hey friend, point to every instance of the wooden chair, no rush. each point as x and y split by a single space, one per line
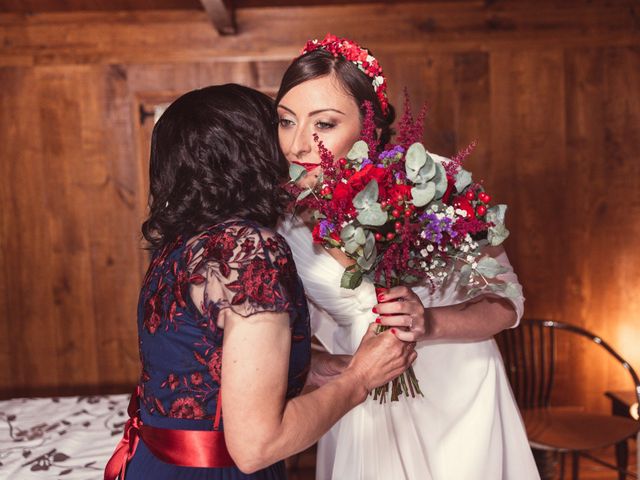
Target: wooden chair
529 352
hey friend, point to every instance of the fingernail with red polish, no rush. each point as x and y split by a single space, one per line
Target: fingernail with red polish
393 330
380 298
374 310
378 320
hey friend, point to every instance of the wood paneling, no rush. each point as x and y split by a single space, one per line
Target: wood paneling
550 90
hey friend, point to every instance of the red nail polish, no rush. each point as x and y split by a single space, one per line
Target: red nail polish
378 320
374 310
380 298
393 330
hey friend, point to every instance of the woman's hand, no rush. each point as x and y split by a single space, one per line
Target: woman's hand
325 367
380 358
474 320
401 307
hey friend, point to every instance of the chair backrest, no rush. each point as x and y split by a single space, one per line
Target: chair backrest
529 353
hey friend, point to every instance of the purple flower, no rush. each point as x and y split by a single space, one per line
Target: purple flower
365 162
435 227
326 227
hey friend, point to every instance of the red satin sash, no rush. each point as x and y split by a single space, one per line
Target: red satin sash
186 448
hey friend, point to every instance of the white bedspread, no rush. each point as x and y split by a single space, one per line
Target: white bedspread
60 437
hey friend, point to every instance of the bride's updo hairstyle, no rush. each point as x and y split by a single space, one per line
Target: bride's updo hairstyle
214 156
320 63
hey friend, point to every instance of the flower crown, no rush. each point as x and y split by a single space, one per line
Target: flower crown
357 55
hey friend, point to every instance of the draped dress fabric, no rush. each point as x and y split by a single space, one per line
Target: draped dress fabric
467 425
238 265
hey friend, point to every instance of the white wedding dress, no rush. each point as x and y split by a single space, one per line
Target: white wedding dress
467 425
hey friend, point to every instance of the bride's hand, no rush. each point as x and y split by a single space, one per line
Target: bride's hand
401 307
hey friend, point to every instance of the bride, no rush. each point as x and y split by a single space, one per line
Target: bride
467 425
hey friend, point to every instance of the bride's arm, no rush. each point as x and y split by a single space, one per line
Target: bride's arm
475 319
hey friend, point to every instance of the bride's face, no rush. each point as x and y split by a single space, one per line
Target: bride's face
320 106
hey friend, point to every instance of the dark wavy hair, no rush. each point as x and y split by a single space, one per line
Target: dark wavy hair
319 63
214 156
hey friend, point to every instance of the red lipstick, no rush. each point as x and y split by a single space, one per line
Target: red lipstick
307 166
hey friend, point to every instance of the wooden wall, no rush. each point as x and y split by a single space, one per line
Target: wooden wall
551 91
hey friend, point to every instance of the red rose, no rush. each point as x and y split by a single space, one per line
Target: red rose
450 186
316 234
462 203
400 190
342 192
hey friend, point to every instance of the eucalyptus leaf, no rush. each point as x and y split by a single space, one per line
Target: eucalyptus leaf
424 173
351 278
496 213
372 215
304 194
351 246
366 263
497 288
423 194
463 179
359 236
513 291
416 157
489 267
359 151
440 180
474 292
465 275
506 289
369 245
348 232
296 172
498 233
367 196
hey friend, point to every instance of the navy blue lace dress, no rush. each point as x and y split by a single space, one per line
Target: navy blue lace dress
237 265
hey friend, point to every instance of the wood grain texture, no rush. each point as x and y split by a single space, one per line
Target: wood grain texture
548 89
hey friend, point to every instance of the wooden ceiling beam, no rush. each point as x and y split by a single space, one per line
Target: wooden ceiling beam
221 15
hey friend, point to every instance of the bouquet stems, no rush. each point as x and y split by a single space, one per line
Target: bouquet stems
407 383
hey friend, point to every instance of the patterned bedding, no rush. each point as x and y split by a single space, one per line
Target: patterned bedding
59 437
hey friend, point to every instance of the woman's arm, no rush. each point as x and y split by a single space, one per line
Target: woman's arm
261 426
477 319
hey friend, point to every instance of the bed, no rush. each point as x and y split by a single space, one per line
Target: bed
59 437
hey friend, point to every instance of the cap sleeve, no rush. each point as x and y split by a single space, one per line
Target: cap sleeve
242 267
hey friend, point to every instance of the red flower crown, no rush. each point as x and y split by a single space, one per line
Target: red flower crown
357 55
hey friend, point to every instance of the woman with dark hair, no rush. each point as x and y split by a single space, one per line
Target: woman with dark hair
467 426
223 323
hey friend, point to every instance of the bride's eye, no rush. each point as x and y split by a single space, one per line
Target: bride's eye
285 123
325 125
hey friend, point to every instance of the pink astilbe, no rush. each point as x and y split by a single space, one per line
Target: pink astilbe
410 129
368 133
454 166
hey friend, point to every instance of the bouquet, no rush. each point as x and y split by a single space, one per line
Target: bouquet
405 217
